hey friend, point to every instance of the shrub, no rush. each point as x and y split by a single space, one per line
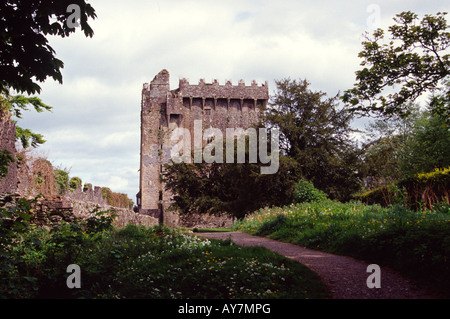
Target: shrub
74 183
417 192
62 180
306 192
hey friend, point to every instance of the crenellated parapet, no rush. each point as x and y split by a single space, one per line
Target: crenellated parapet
227 90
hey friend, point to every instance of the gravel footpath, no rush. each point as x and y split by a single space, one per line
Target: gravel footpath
346 277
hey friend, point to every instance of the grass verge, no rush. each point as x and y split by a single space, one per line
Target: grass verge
415 243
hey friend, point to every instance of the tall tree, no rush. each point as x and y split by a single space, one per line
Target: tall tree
15 105
427 147
382 149
235 189
315 132
396 71
26 57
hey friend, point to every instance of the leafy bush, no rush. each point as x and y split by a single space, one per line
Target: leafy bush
306 192
74 183
14 227
62 180
101 221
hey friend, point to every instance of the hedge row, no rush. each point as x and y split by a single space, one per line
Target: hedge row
421 191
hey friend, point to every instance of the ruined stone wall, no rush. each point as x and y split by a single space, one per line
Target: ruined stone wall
87 194
8 183
53 210
84 209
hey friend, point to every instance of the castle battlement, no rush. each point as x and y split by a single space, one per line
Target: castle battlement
214 89
185 83
228 90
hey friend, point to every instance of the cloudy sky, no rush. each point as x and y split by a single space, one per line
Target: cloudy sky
94 128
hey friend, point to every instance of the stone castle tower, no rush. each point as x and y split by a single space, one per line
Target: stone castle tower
163 110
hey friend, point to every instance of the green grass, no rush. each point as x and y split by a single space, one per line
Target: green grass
416 243
158 262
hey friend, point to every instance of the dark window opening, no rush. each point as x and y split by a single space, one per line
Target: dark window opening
175 118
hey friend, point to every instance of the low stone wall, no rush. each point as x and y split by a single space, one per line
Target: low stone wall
205 221
89 194
53 210
84 209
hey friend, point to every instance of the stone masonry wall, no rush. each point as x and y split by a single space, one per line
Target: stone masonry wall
7 143
163 110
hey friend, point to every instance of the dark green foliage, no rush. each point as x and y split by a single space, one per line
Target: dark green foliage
417 192
14 223
26 55
384 195
235 189
62 180
6 158
440 103
101 221
74 183
315 135
33 261
382 153
27 58
427 146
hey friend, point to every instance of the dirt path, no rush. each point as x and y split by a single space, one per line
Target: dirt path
346 277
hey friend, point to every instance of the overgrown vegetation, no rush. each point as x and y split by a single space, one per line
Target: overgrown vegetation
417 243
140 262
423 190
61 180
116 199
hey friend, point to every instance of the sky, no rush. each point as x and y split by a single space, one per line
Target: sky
94 127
